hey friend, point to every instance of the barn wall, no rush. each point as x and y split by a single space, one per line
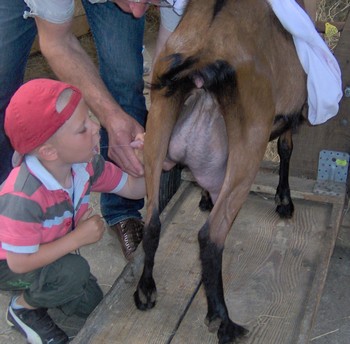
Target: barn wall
333 135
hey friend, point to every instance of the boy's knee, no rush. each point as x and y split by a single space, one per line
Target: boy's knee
60 282
76 273
75 269
69 273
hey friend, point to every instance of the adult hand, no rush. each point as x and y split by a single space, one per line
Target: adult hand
122 130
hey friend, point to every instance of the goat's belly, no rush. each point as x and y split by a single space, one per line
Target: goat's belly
199 141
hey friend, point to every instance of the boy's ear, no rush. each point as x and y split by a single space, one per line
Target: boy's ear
47 152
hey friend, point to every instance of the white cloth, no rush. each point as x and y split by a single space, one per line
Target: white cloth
178 5
169 18
324 84
54 11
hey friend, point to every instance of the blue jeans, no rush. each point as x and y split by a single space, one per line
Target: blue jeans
17 36
119 38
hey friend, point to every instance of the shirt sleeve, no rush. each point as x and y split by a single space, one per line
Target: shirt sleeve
53 11
109 177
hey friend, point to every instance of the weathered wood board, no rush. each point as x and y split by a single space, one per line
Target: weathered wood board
273 272
334 135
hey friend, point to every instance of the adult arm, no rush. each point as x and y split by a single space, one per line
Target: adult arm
72 64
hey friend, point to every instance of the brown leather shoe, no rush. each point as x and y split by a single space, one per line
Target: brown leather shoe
129 233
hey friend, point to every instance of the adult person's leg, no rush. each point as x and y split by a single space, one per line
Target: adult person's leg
119 37
17 36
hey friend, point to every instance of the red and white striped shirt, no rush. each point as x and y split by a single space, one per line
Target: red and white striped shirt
35 209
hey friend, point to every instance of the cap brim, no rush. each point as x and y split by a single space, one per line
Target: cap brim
17 159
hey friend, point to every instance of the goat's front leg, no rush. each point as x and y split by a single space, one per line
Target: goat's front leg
205 202
158 132
283 200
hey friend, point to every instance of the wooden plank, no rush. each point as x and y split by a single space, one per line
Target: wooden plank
274 272
330 237
177 274
302 188
333 135
270 272
266 181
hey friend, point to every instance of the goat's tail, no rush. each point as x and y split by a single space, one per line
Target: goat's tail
186 73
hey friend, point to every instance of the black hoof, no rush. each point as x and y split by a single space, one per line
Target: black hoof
228 333
145 300
205 203
285 211
285 207
212 323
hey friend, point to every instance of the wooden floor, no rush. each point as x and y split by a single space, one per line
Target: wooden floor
273 272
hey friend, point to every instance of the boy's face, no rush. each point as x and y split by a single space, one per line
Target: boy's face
78 139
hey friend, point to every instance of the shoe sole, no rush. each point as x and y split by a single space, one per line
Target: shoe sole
14 321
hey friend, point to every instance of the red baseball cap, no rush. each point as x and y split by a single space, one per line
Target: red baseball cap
31 117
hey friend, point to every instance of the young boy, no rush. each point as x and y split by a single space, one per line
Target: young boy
44 207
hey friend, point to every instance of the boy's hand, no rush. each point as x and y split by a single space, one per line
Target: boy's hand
138 144
89 229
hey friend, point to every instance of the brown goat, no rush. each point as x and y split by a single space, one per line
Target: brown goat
227 82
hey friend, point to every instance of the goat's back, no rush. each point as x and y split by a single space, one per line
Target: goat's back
242 32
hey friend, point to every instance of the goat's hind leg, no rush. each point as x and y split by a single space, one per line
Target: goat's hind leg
156 144
248 125
217 318
146 294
